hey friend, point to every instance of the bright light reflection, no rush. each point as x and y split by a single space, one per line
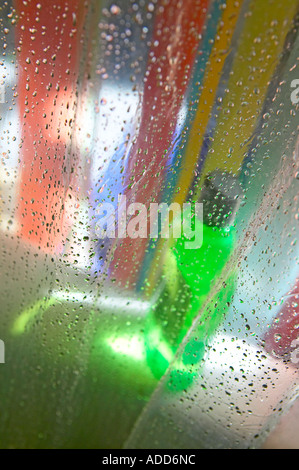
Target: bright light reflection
130 346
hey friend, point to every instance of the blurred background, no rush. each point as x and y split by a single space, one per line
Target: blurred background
140 342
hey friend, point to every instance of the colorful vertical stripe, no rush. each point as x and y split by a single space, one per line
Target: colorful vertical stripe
178 25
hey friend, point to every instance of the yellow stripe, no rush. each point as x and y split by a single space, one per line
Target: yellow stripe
207 98
260 44
210 85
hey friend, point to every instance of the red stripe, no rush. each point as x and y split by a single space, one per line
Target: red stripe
282 337
173 51
48 41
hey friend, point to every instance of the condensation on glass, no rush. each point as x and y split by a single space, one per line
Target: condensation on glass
116 118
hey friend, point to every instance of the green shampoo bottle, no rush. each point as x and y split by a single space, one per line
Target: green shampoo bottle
189 277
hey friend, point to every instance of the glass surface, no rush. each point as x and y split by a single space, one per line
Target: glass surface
124 324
